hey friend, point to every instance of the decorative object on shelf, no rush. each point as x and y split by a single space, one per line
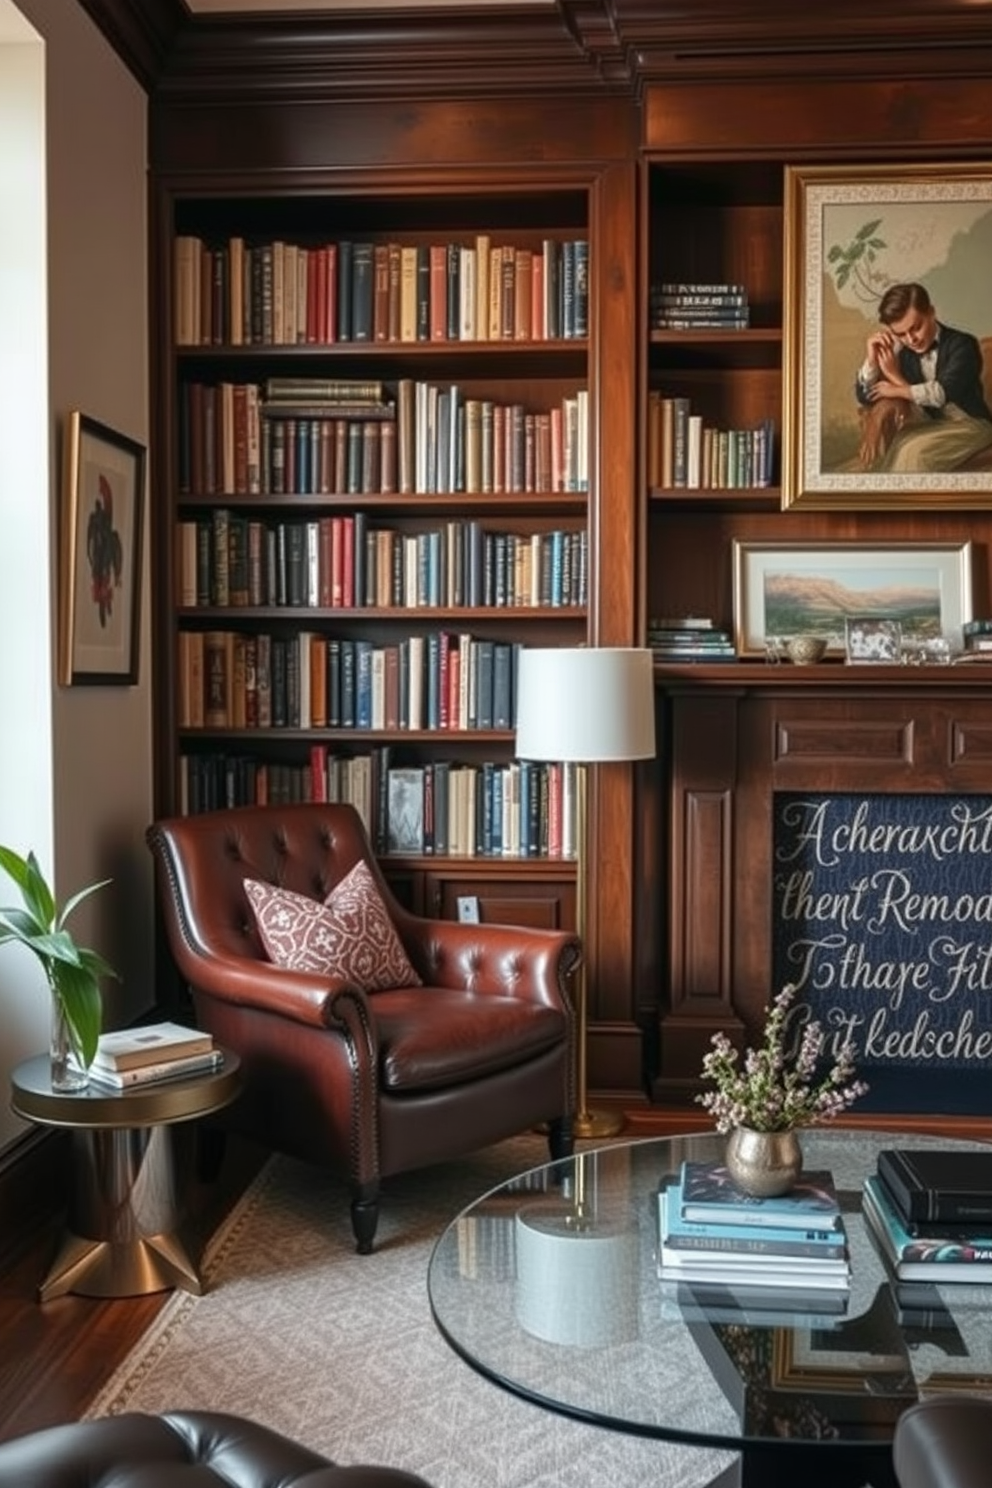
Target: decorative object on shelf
785 587
862 242
873 638
764 1163
590 705
100 554
773 1092
805 650
73 972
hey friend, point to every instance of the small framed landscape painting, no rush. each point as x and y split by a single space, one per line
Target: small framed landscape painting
100 554
786 589
887 352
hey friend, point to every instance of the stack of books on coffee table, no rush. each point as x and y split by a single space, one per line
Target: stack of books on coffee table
930 1213
159 1051
712 1233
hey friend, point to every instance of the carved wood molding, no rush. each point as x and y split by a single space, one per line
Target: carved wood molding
570 46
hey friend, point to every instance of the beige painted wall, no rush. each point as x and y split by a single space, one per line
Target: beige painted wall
98 362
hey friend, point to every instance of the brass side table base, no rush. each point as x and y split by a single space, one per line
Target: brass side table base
103 1268
131 1164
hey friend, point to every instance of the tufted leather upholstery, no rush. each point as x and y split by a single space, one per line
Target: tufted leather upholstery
370 1085
201 1449
944 1442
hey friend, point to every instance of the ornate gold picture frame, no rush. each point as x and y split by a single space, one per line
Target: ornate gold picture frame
919 433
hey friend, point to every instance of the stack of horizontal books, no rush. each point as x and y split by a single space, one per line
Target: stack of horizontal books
930 1212
713 1234
159 1051
689 638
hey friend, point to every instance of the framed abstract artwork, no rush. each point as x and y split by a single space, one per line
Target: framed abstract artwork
887 355
100 554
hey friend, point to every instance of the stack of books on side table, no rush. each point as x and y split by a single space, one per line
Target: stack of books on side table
160 1051
783 1252
930 1212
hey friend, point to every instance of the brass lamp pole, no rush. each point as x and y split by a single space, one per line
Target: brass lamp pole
585 705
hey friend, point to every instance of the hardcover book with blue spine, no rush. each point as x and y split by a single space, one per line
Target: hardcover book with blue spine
782 1240
709 1195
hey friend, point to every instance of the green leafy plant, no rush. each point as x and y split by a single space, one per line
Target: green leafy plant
73 972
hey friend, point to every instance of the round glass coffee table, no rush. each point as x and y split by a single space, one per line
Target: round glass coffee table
549 1286
129 1173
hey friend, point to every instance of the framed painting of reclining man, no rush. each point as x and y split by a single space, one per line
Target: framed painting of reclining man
887 355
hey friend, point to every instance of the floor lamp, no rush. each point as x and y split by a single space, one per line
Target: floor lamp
586 705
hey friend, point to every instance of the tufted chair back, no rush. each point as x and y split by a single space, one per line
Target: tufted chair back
370 1083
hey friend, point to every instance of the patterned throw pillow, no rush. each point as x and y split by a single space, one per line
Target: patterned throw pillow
349 935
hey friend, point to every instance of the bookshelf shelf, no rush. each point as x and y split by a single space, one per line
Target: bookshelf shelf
418 615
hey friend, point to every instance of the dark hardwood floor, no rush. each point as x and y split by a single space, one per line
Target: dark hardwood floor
55 1356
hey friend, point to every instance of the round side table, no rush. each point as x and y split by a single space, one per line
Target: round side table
129 1176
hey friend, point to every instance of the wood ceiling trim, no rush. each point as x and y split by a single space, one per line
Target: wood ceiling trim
580 45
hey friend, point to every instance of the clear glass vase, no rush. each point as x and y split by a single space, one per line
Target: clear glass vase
69 1073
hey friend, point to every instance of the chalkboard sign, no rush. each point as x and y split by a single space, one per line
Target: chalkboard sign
882 919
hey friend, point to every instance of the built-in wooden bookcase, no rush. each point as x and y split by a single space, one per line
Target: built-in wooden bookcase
531 358
735 733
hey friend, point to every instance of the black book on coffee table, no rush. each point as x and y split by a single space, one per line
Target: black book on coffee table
939 1187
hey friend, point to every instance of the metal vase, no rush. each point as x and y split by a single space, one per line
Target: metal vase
764 1164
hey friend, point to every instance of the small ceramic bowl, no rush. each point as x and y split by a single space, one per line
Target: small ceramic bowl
805 649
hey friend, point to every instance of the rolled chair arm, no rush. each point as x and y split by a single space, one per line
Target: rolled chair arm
507 960
302 995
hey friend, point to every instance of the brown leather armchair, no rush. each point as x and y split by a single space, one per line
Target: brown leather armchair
368 1084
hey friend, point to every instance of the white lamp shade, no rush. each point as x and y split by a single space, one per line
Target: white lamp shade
587 704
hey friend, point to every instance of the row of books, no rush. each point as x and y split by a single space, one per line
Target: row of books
781 1251
146 1055
692 638
930 1211
228 560
238 293
441 681
676 306
977 638
430 439
684 452
524 809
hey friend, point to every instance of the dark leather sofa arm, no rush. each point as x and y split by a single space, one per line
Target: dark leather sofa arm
195 1447
944 1442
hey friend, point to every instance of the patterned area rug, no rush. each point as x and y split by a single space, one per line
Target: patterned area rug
340 1352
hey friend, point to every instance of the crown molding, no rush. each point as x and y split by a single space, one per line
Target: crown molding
575 46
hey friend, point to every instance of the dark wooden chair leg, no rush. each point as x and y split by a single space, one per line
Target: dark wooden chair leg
561 1141
365 1216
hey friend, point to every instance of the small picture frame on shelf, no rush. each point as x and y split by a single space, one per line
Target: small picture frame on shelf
103 481
872 638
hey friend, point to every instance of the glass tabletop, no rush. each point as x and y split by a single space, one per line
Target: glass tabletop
549 1285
